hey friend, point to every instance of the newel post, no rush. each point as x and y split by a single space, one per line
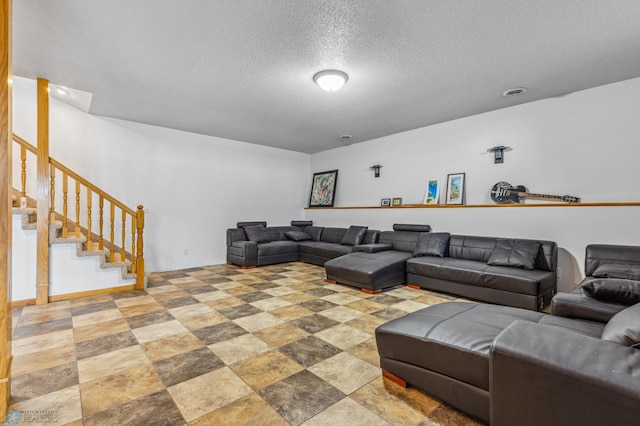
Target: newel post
140 251
43 186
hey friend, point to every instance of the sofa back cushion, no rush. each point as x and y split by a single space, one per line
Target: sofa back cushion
297 236
333 235
617 270
432 244
598 254
256 233
277 233
314 231
624 327
514 253
400 240
354 236
371 237
477 248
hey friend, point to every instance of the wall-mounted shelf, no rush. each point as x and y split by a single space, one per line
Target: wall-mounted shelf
475 206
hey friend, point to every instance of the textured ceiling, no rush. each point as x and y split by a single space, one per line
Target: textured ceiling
244 70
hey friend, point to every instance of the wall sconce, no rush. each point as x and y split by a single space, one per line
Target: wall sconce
376 170
498 152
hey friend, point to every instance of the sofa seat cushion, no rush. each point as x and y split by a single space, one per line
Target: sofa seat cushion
464 271
532 282
368 270
322 249
277 247
452 339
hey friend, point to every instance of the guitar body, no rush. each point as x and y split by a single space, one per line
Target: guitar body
505 193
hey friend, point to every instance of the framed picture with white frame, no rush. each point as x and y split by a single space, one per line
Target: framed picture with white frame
455 188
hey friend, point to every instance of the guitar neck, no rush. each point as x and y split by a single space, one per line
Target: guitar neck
540 196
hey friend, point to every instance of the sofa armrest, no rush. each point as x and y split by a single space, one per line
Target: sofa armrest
577 305
372 248
243 253
542 374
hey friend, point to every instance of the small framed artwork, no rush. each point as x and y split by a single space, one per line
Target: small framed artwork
385 202
432 196
455 188
323 189
397 202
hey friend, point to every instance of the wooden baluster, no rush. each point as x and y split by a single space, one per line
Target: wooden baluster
133 244
124 224
101 223
65 188
52 172
112 218
77 208
89 200
139 254
23 194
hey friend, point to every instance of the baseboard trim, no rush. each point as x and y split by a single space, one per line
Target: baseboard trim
20 303
97 292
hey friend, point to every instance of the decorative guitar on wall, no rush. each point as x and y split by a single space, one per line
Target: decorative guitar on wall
504 193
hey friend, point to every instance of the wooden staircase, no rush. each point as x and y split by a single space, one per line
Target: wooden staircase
89 237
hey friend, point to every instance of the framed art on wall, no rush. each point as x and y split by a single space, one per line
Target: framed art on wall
455 188
323 189
397 201
385 202
432 195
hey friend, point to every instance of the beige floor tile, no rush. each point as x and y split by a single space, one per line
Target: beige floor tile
162 289
239 348
169 295
270 304
430 299
208 392
111 391
93 331
346 412
296 297
159 331
32 344
197 322
96 317
366 323
405 292
146 308
212 295
250 410
280 291
36 317
341 313
302 286
258 321
134 301
280 335
366 306
242 289
53 306
168 347
226 302
367 351
83 301
409 306
265 368
292 312
340 298
111 363
65 405
343 336
183 312
397 405
345 372
41 360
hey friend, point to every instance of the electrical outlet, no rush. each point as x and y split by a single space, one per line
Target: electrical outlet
185 252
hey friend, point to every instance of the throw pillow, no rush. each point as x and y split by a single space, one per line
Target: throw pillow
514 253
626 292
624 327
256 233
354 235
314 231
617 270
297 236
432 244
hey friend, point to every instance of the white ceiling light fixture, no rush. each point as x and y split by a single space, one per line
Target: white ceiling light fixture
330 80
62 91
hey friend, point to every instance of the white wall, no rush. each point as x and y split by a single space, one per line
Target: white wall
583 144
193 186
23 269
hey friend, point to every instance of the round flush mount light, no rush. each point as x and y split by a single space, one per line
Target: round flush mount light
330 80
517 91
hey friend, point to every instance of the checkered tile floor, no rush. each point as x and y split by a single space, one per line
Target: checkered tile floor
275 345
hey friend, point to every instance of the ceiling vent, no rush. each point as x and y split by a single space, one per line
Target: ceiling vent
514 92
